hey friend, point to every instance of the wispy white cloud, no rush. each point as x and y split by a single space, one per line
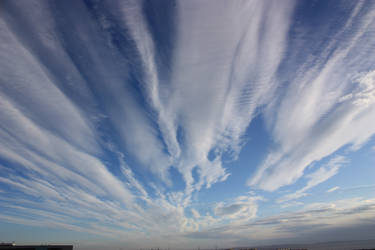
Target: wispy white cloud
197 113
321 175
333 189
322 106
214 110
243 208
313 220
292 204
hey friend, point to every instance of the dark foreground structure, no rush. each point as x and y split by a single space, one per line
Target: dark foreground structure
35 247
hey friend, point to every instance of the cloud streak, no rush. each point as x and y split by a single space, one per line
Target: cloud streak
323 219
314 115
74 107
321 175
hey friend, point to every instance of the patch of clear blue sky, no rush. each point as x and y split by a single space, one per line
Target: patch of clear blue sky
256 145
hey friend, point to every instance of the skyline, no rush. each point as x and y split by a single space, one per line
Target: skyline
187 123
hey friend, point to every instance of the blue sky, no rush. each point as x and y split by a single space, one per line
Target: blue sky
186 123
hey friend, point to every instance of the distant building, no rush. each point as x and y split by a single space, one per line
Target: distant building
292 248
12 246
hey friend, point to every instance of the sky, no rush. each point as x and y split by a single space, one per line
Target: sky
186 124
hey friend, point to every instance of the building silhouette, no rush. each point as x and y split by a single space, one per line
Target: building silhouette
12 246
